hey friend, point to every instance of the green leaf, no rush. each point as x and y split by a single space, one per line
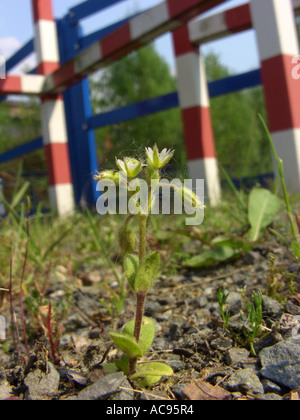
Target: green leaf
127 344
147 273
123 364
149 374
20 194
233 242
295 246
217 255
262 209
131 264
147 333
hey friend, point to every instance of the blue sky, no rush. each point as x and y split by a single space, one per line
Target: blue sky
238 52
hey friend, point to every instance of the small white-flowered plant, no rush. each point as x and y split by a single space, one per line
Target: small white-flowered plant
141 267
158 159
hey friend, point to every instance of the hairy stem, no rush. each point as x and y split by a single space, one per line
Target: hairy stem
140 297
140 301
142 244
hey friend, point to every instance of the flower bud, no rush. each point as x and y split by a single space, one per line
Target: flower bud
130 166
108 174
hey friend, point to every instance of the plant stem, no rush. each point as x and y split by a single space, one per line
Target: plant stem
142 244
140 297
140 301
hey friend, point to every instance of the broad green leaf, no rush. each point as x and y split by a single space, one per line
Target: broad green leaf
147 332
295 246
131 264
127 344
149 374
262 209
147 273
123 364
216 255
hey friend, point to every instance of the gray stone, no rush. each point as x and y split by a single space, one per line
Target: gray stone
108 387
221 343
41 385
271 306
244 380
270 387
281 363
272 397
236 355
291 308
5 390
235 302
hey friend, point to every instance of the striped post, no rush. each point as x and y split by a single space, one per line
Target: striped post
195 111
275 28
52 111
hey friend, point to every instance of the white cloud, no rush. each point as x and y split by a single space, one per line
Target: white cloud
10 45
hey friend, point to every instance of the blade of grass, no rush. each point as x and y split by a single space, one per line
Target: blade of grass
234 189
280 166
101 247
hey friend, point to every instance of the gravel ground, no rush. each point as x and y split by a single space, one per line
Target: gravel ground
209 361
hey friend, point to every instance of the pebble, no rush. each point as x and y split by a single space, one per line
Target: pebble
244 381
270 306
108 387
5 390
235 303
41 385
236 355
281 363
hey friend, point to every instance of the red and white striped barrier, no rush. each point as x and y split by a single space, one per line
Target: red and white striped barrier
52 111
164 17
22 85
220 24
195 110
277 40
225 23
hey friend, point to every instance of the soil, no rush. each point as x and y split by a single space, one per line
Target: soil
208 360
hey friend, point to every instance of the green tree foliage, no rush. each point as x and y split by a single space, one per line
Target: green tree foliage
20 123
141 75
239 136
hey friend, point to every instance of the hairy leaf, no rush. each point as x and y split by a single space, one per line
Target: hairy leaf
147 332
147 273
262 209
149 374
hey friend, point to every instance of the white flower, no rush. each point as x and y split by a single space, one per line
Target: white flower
156 159
130 166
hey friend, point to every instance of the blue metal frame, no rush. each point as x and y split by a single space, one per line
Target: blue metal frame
82 148
22 150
